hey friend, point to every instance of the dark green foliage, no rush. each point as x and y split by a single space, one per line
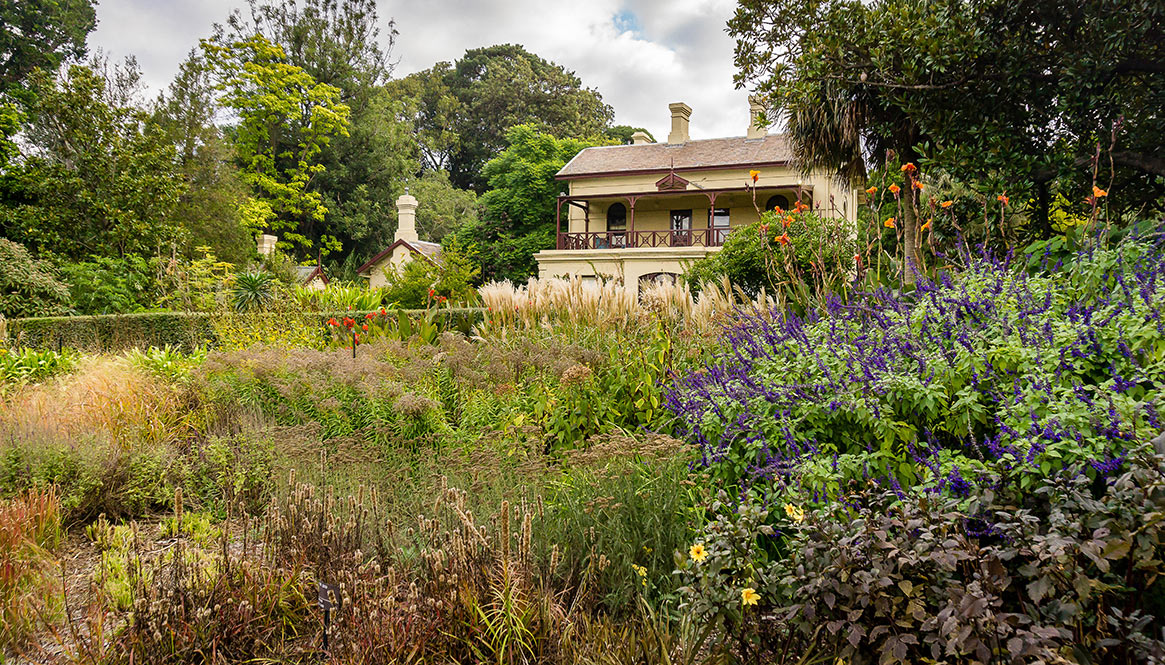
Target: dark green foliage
40 34
521 203
419 283
112 285
99 180
29 287
1073 568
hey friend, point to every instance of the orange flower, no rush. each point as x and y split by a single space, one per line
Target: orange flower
333 322
894 189
802 207
927 224
764 229
778 210
365 327
787 221
858 259
783 239
754 175
909 166
889 223
947 204
1002 198
871 191
1098 192
918 185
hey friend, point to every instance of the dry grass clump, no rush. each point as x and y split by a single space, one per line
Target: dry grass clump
30 527
608 303
105 398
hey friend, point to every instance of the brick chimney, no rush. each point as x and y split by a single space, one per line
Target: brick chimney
406 218
755 109
680 112
640 138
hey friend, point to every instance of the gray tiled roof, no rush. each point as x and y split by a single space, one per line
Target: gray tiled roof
704 153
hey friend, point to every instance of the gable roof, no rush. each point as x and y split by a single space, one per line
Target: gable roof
306 274
430 251
693 155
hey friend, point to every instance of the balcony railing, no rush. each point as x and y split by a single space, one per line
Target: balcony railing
631 239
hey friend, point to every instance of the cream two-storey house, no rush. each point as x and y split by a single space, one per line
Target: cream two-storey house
644 211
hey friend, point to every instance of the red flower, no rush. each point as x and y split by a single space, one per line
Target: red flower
382 312
369 315
431 293
365 327
333 322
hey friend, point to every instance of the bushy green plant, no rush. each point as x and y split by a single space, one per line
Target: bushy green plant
166 362
421 282
112 285
253 290
29 287
32 366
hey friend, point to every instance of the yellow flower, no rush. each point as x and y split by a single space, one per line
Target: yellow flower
754 175
697 552
749 596
927 224
889 223
795 512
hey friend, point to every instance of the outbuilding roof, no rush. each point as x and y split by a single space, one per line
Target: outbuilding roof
428 250
692 155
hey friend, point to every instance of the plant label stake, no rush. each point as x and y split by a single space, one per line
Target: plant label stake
327 593
353 342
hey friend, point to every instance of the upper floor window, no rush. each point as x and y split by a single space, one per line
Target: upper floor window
720 223
778 200
617 217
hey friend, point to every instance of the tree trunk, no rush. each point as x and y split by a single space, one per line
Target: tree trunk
911 259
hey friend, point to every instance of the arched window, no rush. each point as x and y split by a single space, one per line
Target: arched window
617 217
777 200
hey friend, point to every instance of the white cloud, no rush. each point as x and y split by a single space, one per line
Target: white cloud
640 54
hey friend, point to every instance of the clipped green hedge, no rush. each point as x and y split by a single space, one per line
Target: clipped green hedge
185 330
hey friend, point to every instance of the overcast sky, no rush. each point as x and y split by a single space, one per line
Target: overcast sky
640 54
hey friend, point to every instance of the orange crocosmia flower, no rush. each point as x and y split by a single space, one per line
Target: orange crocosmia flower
894 189
947 204
754 175
365 327
918 185
802 207
927 224
783 239
871 191
1098 192
787 221
889 223
778 210
909 166
858 258
1002 198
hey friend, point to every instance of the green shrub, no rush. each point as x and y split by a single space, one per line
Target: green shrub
29 287
32 366
112 285
420 283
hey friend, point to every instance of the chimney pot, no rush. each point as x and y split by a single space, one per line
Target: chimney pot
406 218
640 138
267 244
680 113
755 109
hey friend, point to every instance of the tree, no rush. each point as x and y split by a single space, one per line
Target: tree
286 118
443 207
496 88
621 134
40 34
29 287
520 206
1010 93
97 177
339 43
210 209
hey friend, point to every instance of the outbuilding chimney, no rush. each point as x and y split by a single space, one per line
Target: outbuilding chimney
406 218
267 244
680 112
755 109
640 138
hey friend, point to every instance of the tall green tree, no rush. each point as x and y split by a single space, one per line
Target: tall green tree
285 119
97 178
210 209
1013 94
520 206
487 91
40 34
340 43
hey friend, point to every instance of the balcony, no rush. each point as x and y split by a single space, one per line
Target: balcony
637 239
